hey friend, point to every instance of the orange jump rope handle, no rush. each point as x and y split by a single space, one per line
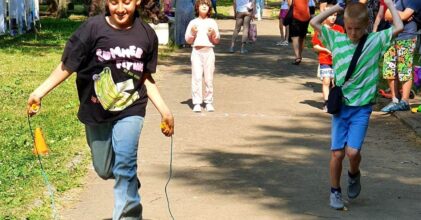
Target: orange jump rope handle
163 125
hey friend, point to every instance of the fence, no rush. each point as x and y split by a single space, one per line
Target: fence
18 16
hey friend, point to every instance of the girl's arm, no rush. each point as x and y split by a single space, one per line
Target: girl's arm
396 17
191 33
156 98
317 21
379 17
56 77
319 48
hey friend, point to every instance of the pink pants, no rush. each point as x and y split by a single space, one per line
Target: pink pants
203 65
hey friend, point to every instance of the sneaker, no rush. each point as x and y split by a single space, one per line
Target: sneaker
393 106
243 50
209 107
354 186
324 108
231 50
280 43
197 108
336 201
285 43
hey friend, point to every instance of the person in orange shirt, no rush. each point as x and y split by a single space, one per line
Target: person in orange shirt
298 27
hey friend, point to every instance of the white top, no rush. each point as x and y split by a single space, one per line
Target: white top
203 26
311 3
243 5
284 4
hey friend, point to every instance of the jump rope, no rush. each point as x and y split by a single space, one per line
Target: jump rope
35 108
163 126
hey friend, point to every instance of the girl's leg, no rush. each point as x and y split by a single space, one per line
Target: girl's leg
326 87
125 139
209 68
197 73
286 31
281 29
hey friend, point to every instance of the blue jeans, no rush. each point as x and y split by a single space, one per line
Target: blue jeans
114 148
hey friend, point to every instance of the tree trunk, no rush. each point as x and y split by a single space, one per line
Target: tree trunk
62 9
52 7
96 7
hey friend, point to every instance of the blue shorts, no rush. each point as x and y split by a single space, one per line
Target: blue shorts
326 71
349 127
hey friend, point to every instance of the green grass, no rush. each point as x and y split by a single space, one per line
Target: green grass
25 62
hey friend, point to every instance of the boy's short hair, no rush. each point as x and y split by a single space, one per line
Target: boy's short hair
199 2
356 11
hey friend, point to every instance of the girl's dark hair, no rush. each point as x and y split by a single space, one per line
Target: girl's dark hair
200 2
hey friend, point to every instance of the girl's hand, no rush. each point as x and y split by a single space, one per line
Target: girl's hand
194 30
167 125
211 32
33 105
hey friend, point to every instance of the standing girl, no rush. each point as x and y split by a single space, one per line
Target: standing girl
114 55
282 28
202 33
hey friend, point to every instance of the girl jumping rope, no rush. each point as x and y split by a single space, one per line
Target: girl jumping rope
202 33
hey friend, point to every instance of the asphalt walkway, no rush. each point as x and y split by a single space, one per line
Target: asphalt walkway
264 153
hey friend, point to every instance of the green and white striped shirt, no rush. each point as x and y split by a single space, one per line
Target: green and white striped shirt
361 88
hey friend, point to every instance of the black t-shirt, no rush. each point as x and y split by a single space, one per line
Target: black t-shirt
110 64
330 2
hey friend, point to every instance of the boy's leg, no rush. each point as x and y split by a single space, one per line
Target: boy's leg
339 134
99 141
359 120
125 138
336 159
197 75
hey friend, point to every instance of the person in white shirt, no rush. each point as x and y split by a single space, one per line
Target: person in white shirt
202 33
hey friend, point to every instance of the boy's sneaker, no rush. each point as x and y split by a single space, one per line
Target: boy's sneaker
336 201
324 108
354 186
197 108
209 107
279 43
393 106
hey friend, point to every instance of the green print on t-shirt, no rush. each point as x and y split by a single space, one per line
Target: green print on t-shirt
112 96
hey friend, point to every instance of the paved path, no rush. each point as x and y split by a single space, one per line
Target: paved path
264 153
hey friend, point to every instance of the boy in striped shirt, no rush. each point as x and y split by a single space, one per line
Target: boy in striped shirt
349 126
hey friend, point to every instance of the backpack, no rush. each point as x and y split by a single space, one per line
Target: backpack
416 16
